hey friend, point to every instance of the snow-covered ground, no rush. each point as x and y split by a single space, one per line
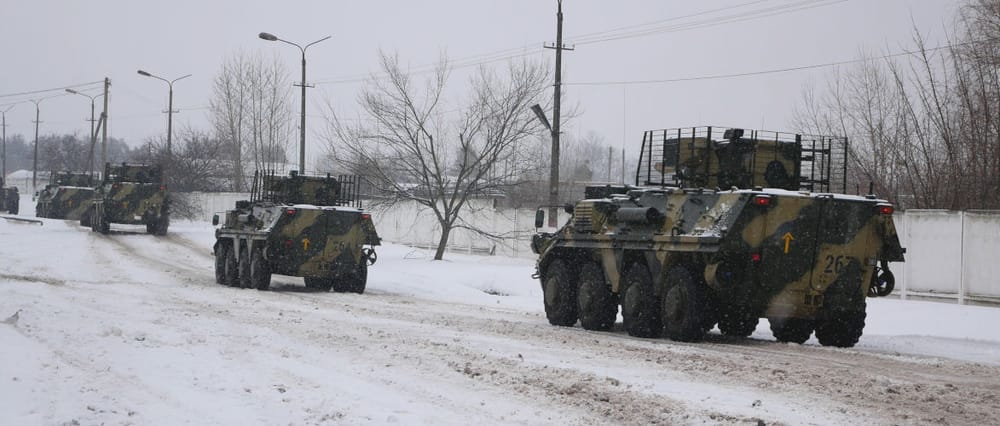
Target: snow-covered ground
131 329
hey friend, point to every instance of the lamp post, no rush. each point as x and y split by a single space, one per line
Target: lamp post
302 126
93 134
170 109
3 126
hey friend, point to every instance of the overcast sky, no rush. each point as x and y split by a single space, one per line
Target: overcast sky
56 43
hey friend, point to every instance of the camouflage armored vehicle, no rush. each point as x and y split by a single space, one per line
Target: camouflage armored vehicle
132 194
10 198
67 196
301 226
723 227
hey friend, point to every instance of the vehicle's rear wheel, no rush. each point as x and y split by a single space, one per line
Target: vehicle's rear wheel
244 267
158 226
738 321
260 273
559 291
232 274
85 218
841 327
684 303
640 307
796 330
320 283
354 282
598 305
842 319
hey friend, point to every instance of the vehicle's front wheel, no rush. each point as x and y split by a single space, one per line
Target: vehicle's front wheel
221 252
232 277
640 307
260 273
559 290
244 267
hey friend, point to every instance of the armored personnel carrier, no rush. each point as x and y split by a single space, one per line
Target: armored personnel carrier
132 194
301 226
723 228
67 196
10 198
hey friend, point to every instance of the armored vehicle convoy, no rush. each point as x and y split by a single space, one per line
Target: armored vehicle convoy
723 227
301 226
132 194
67 196
10 198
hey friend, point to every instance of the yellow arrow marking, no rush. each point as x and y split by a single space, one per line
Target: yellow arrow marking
788 239
305 244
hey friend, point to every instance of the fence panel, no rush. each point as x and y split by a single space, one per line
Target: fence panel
933 242
981 269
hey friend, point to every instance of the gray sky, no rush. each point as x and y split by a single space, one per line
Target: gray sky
55 43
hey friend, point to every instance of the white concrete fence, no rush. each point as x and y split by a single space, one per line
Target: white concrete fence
950 255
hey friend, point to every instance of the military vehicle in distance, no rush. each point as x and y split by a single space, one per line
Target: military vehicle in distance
10 198
301 226
67 196
723 227
132 194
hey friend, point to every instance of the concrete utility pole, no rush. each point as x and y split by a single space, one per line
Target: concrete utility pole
4 127
34 165
302 125
554 171
104 126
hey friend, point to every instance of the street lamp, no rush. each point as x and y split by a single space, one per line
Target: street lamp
93 134
3 125
170 109
302 126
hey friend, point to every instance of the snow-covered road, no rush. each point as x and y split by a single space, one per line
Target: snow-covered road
131 329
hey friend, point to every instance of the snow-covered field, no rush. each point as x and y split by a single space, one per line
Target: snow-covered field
131 329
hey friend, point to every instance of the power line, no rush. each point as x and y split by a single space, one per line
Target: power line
63 88
608 35
772 71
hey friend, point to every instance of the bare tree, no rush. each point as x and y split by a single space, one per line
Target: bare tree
251 113
414 146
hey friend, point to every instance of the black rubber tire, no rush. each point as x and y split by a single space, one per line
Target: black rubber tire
841 327
232 274
260 272
738 321
159 226
85 218
320 283
354 282
244 267
683 305
99 223
640 306
795 330
598 306
221 252
559 290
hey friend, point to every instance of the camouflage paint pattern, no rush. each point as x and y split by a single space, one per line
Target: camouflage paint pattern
132 194
64 202
829 238
780 253
298 238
